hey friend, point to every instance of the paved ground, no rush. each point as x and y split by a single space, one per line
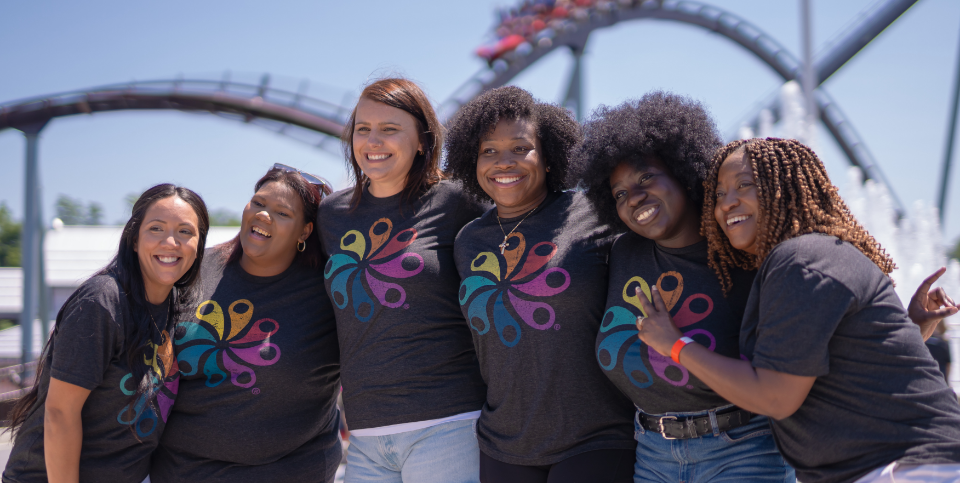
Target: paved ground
5 446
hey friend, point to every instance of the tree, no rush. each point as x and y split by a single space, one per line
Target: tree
224 217
955 253
72 211
9 238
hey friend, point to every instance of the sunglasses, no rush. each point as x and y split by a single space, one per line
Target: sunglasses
311 178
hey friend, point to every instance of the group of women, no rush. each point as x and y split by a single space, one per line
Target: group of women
691 313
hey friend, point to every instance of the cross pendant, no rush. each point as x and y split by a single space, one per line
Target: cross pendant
503 246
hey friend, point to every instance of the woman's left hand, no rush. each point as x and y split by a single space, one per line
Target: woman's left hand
657 329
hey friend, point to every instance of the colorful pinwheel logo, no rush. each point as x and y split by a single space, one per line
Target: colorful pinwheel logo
351 270
162 368
482 288
624 320
223 346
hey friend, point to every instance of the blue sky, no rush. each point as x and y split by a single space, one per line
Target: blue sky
896 92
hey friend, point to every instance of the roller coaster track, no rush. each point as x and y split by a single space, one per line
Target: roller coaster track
273 108
574 35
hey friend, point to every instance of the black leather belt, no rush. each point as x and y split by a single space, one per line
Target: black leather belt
675 427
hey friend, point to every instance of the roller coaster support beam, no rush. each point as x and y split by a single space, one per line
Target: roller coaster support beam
31 248
862 35
951 135
574 97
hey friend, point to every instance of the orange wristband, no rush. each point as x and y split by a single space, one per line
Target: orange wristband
677 346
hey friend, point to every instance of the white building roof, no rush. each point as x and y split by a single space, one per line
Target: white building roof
73 254
10 341
11 294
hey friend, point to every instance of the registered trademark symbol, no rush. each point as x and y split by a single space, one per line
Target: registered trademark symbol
406 306
556 327
255 391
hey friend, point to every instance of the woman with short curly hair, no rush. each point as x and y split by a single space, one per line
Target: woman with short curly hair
534 273
643 164
828 351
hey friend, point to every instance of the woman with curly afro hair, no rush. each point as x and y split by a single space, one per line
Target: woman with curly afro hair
643 164
534 275
828 351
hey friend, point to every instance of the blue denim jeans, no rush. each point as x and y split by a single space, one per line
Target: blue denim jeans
741 454
445 453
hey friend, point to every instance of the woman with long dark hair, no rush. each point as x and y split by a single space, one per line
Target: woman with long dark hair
411 384
108 376
828 351
534 280
259 360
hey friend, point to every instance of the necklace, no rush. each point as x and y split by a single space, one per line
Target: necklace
503 246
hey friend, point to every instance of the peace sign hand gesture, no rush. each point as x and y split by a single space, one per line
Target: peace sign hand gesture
928 307
657 329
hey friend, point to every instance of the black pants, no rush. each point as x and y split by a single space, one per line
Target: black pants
600 466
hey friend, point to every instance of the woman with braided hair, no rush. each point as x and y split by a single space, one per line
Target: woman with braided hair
643 164
828 351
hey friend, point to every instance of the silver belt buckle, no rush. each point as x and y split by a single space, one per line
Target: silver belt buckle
661 426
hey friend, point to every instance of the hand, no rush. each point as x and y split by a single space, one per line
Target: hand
928 307
657 329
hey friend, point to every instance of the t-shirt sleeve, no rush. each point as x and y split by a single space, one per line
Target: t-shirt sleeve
86 341
800 310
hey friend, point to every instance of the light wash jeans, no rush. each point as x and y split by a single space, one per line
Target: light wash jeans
747 453
445 453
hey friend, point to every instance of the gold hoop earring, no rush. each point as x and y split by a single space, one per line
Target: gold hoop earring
420 153
301 246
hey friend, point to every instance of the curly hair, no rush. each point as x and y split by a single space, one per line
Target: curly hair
675 129
795 197
557 131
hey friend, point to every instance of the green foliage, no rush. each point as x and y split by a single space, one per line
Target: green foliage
130 200
955 253
9 238
72 211
6 324
224 217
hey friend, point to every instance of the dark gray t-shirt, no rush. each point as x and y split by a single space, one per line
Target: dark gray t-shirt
260 369
820 308
534 311
692 293
404 346
87 352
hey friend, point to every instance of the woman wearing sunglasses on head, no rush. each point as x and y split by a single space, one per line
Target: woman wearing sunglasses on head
259 359
411 384
534 271
108 374
829 352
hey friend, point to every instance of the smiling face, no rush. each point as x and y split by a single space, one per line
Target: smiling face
166 245
385 140
653 204
510 169
272 225
738 207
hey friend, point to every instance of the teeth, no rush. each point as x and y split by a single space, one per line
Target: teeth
507 180
646 214
260 231
167 259
377 157
737 219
